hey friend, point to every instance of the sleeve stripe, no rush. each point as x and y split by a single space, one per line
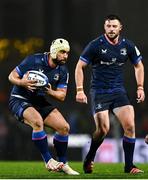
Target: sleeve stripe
137 60
62 86
83 59
19 72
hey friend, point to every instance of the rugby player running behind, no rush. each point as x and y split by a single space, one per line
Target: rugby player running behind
107 55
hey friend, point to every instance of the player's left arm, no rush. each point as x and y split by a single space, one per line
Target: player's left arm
61 89
139 75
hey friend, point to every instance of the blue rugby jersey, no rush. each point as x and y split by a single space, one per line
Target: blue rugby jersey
58 77
107 62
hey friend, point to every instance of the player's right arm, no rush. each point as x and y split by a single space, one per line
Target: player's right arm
85 58
15 79
79 80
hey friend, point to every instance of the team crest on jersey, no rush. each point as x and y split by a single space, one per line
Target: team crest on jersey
98 106
56 77
123 51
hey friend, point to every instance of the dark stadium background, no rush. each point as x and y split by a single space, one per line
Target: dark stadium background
28 26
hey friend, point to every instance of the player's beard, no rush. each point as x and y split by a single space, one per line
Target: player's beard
59 62
112 37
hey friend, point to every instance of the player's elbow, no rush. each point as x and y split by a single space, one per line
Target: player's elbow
10 77
13 76
62 98
61 95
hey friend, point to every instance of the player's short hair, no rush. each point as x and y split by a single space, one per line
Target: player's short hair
112 17
58 45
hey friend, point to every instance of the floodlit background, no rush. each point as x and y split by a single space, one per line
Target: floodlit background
29 26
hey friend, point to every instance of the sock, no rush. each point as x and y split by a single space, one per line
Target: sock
128 147
40 140
93 148
60 144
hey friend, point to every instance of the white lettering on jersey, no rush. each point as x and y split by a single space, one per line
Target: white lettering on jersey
114 59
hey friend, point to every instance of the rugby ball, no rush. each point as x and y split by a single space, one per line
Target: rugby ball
41 78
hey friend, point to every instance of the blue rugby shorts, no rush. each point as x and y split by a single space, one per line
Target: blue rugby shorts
17 106
101 102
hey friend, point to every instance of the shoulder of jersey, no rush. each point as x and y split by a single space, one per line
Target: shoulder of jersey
98 40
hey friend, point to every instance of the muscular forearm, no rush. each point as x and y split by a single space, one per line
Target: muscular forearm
14 78
57 94
139 74
79 77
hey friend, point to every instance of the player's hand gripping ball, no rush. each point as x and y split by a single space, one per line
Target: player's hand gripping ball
146 139
41 78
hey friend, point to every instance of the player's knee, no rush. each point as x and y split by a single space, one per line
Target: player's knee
130 130
64 130
101 132
38 124
104 130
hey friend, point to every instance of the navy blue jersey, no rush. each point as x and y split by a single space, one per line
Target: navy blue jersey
58 77
107 62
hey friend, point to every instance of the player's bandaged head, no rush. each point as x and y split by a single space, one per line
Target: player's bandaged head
58 45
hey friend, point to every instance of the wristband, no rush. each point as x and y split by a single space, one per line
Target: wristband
78 92
79 88
140 88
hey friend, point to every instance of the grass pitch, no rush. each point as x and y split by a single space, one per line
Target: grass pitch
36 170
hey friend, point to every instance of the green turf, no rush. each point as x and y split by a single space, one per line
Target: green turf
36 170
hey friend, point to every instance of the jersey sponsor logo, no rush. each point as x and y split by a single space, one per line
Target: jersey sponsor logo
123 51
113 61
103 51
106 63
56 77
120 64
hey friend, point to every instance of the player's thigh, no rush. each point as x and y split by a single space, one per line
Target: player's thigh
32 117
22 109
102 120
125 115
56 121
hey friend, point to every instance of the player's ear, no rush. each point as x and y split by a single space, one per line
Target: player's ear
104 26
120 27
